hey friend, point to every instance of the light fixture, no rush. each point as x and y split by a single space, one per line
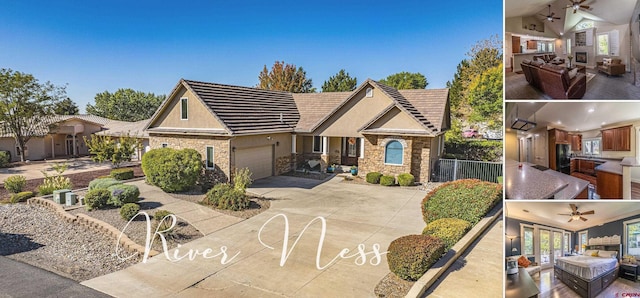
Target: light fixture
575 217
559 122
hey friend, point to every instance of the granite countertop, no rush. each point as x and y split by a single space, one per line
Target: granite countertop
574 188
630 162
613 167
530 183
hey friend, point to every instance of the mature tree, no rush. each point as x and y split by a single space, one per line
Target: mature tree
66 107
115 150
285 77
125 105
342 81
406 80
485 97
26 105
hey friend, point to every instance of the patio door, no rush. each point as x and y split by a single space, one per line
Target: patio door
550 244
350 151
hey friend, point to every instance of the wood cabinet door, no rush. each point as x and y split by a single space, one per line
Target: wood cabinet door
608 140
532 45
622 137
515 44
562 137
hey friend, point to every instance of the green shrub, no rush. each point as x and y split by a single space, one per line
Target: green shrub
484 150
21 196
52 183
387 180
96 198
467 199
160 214
15 183
103 183
411 256
122 194
129 210
373 177
172 170
104 176
224 196
242 179
163 225
5 158
449 230
406 179
122 174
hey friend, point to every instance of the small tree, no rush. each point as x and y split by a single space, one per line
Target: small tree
342 81
406 80
66 107
285 77
105 148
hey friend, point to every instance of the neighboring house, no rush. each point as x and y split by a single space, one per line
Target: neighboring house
375 127
115 129
64 137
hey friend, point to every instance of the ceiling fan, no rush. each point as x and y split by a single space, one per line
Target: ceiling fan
576 5
550 16
575 214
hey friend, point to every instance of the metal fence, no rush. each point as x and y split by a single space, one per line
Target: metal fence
455 169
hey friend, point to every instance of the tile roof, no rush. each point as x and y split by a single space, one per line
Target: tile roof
313 107
117 128
245 110
432 104
110 127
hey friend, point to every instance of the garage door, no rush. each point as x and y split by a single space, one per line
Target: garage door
259 160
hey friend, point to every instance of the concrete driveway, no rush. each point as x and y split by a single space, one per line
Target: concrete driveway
356 215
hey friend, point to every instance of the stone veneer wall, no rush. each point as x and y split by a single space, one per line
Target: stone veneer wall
199 143
283 164
415 158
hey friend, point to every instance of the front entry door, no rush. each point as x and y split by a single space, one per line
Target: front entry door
350 151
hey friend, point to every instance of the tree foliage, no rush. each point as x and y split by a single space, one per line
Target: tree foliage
125 105
406 80
26 105
484 90
285 77
66 107
105 148
342 81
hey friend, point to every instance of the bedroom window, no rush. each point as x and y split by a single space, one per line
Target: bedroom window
632 237
184 108
317 144
527 241
567 243
583 241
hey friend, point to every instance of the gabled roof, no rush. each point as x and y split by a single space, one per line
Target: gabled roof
117 128
313 107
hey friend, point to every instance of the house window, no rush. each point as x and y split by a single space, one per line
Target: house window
567 243
393 153
583 241
632 237
369 92
585 25
603 44
568 46
164 145
317 144
209 163
527 241
183 108
591 146
352 147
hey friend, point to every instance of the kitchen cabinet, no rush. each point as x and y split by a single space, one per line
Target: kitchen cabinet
532 45
574 166
562 137
515 44
616 139
609 185
576 142
586 166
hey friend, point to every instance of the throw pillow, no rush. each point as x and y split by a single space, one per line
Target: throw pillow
594 254
573 73
606 61
523 262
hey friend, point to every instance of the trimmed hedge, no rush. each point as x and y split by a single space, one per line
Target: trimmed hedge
411 256
160 214
123 194
122 174
96 198
15 183
387 180
103 183
373 177
449 230
129 210
172 170
483 150
21 196
225 196
406 179
467 199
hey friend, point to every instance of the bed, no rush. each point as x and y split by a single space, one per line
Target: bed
589 275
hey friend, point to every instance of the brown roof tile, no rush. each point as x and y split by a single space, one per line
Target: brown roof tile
432 104
313 107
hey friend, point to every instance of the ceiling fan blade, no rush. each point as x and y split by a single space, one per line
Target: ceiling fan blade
574 208
583 219
570 219
564 214
587 7
582 1
552 14
543 15
587 212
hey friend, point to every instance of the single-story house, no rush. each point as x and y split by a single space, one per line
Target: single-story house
115 129
63 136
375 127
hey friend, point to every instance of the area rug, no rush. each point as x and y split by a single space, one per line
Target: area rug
590 76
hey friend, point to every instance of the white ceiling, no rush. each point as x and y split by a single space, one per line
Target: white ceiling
546 213
616 12
573 116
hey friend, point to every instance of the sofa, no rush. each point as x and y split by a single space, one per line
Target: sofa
532 268
554 80
611 66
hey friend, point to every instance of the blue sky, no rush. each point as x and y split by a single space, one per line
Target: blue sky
96 46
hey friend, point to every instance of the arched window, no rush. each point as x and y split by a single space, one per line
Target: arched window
393 153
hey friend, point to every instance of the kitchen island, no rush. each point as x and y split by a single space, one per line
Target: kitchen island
529 183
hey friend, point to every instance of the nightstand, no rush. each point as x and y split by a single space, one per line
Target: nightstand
629 271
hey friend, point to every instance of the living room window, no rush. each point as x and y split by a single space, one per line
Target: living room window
584 25
632 237
603 44
527 240
568 46
317 144
591 146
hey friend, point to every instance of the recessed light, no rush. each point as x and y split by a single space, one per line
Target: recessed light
559 122
603 123
591 110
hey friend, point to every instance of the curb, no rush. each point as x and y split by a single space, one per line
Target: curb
92 224
431 276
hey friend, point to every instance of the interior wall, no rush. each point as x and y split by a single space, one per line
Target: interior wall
511 145
508 50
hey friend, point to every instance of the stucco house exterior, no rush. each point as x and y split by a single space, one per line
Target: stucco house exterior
375 127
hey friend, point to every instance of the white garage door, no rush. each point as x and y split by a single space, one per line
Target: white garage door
259 160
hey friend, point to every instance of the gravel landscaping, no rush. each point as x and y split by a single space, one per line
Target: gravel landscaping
35 235
392 286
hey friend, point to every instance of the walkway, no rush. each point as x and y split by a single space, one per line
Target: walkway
479 272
